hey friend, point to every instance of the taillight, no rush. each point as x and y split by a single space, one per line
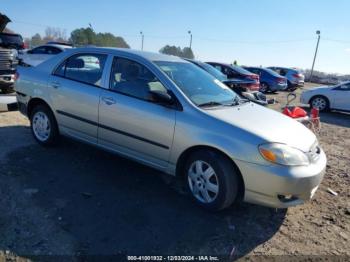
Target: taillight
297 75
24 46
281 80
254 77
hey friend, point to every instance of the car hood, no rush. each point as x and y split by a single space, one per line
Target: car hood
320 88
269 125
4 20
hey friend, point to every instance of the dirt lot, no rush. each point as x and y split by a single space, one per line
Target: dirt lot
78 200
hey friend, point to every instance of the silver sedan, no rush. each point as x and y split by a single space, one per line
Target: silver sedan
173 116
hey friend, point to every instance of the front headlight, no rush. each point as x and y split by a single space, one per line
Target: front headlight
283 154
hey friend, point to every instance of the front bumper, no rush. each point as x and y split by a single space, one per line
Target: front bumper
265 184
278 87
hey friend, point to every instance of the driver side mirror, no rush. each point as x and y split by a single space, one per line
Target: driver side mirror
161 97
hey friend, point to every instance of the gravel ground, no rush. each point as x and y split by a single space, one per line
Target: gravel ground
78 200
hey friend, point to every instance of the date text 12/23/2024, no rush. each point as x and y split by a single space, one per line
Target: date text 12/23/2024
173 258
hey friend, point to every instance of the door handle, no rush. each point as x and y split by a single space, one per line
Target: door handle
108 100
55 84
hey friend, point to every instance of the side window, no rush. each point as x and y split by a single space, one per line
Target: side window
345 87
86 68
283 72
50 50
39 50
133 79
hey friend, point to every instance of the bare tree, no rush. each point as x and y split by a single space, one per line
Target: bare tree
55 34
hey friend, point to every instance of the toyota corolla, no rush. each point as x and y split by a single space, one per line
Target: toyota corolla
171 115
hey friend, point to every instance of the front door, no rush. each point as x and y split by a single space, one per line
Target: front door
129 121
75 93
341 97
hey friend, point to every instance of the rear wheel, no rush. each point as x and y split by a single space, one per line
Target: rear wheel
319 102
44 126
212 180
264 87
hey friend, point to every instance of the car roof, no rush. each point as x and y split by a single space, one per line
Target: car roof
144 54
11 34
219 63
287 68
55 45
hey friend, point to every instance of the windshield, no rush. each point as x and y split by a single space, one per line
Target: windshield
199 86
213 71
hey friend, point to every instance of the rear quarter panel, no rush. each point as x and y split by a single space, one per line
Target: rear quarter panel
32 83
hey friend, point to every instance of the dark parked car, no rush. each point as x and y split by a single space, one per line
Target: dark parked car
9 44
237 85
237 72
269 79
233 83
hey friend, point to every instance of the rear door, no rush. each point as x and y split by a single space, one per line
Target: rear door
130 122
75 93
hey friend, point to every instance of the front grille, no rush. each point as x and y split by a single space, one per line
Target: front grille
7 60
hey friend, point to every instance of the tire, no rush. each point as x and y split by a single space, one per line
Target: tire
290 87
217 173
319 102
7 89
264 88
44 126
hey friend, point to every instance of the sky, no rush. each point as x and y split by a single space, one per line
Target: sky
252 32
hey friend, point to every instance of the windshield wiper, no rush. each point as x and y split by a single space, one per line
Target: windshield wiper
210 103
238 101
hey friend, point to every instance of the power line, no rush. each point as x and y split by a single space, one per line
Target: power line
337 40
37 25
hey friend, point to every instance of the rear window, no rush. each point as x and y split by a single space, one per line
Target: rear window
8 40
241 70
271 72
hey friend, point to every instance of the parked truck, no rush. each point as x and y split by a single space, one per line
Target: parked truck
9 45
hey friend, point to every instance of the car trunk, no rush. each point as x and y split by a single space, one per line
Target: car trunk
4 20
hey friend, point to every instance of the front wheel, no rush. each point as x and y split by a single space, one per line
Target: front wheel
44 126
212 180
319 102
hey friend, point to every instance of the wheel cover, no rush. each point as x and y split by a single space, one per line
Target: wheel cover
263 87
203 181
319 103
41 126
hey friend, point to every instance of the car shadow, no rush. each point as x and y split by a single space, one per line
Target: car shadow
336 118
110 205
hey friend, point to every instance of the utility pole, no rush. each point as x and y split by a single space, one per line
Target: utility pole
190 33
142 37
318 32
